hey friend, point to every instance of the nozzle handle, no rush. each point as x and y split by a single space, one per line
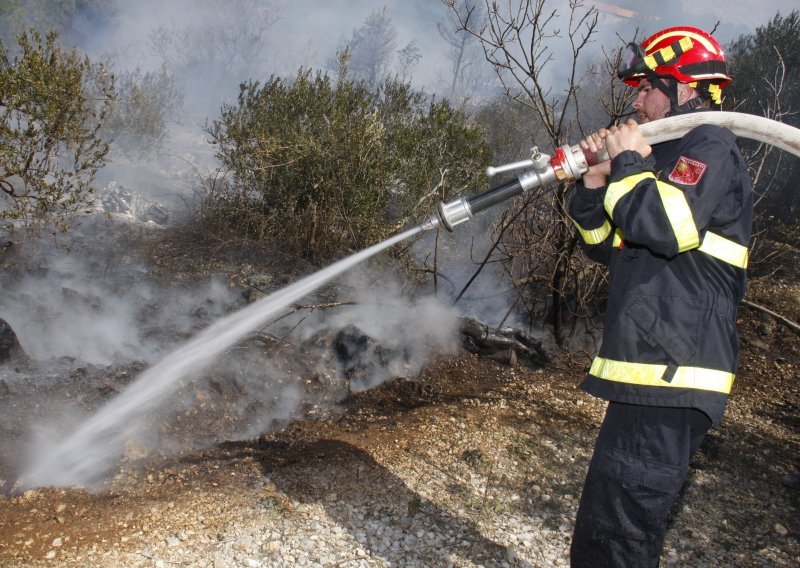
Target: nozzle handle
492 171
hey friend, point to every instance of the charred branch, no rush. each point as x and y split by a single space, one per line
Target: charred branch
785 321
507 345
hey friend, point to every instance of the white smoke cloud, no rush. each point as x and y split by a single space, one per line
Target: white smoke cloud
387 334
307 32
70 310
489 294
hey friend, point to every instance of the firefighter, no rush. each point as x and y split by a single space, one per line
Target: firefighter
672 222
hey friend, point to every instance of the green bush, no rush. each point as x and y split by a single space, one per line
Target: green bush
52 104
324 167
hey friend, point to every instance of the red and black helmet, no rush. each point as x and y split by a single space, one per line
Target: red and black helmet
686 54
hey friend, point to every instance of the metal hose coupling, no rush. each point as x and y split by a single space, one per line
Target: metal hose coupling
448 215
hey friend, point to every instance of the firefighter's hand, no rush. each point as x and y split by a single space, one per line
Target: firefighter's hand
626 136
596 176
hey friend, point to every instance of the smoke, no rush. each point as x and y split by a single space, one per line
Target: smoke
88 323
235 379
384 334
208 47
478 290
70 310
253 39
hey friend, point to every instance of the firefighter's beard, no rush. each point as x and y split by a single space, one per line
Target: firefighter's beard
646 115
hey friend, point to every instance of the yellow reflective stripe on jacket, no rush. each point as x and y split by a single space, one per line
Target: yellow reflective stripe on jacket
594 236
650 375
618 238
725 250
679 215
619 189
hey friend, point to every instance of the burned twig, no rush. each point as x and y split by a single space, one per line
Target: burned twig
785 321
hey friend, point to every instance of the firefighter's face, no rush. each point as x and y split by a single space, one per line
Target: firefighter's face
650 103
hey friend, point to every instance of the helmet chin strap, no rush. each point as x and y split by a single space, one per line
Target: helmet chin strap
669 87
688 106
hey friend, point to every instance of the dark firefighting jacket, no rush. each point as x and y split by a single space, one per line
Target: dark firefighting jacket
673 230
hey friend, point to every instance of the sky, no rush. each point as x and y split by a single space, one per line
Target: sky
328 21
307 32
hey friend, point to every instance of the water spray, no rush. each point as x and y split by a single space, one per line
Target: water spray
569 163
88 454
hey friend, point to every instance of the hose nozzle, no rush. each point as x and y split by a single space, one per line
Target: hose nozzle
568 164
448 215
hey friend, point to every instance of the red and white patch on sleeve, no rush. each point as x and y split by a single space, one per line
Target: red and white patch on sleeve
687 171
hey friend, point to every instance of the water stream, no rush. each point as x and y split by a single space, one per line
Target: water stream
88 454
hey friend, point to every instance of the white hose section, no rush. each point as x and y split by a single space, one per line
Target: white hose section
749 126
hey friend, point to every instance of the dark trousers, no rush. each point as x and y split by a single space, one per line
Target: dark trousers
639 465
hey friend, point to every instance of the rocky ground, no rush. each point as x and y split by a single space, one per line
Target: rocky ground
471 463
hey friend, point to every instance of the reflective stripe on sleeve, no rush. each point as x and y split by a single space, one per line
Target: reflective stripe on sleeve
618 238
651 375
675 206
594 236
725 250
619 189
680 219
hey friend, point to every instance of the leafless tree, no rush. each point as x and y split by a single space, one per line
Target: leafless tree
470 75
221 49
370 50
773 107
544 67
407 60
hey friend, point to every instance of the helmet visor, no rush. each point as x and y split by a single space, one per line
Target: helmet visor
631 61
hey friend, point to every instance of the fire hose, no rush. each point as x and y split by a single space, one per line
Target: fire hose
569 163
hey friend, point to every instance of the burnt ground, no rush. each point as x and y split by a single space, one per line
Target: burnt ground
470 443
